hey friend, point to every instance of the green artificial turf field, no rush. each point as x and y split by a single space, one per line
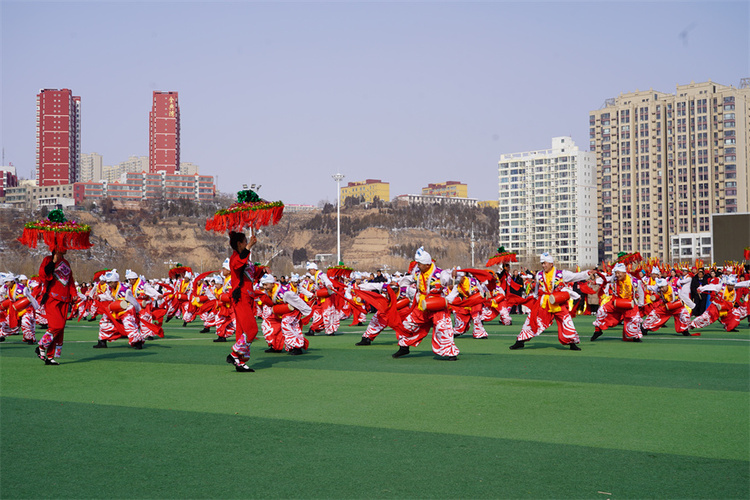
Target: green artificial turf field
667 418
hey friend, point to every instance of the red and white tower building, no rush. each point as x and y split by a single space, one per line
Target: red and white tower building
164 134
58 137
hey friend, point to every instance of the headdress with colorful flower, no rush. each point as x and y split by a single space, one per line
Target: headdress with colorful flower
57 232
629 258
249 211
340 271
501 257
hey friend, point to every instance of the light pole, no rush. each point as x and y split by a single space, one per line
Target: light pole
472 245
337 178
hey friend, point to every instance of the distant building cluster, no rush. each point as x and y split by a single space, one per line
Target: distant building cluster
66 176
660 167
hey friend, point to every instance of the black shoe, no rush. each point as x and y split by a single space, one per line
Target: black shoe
330 334
637 340
734 330
520 344
243 368
43 327
402 351
597 333
644 331
271 349
574 347
93 318
2 339
296 351
102 344
184 324
169 318
310 333
452 358
230 359
50 361
39 354
30 342
686 333
138 345
220 339
358 324
364 341
205 330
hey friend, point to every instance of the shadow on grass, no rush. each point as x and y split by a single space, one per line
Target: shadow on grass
275 358
129 353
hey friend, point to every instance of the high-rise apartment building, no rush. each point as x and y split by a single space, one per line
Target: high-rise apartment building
164 133
91 167
58 137
547 203
666 162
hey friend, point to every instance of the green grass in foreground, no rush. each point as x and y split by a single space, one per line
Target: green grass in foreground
665 418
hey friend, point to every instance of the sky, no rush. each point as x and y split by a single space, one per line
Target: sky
286 94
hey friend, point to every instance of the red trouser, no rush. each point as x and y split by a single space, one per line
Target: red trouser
608 316
418 323
57 313
660 315
730 321
566 330
244 315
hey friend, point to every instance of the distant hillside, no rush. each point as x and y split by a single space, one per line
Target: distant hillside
146 240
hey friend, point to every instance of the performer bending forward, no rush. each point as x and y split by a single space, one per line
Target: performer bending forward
551 307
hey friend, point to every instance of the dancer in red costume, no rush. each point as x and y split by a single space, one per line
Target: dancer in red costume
55 275
241 270
59 292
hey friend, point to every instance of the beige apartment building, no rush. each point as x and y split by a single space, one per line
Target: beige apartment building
666 162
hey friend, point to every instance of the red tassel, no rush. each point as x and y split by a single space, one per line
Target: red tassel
240 219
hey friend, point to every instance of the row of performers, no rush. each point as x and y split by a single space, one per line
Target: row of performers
411 305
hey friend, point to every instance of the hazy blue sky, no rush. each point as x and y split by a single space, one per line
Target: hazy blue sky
285 94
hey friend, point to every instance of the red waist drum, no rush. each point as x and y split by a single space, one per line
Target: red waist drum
559 297
623 304
673 306
118 306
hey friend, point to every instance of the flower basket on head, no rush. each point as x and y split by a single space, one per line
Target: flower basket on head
249 211
339 271
629 258
179 269
57 233
501 257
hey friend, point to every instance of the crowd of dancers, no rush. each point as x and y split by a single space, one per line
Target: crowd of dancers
234 300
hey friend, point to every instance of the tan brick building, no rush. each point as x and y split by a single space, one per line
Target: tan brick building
666 162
